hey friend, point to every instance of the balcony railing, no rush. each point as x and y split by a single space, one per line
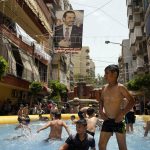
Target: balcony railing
24 43
128 2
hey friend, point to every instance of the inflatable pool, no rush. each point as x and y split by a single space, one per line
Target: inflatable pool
13 119
21 140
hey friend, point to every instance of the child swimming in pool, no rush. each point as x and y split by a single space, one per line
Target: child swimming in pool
41 118
73 119
23 117
81 140
56 126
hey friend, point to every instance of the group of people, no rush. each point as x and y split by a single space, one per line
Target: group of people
112 96
110 111
85 127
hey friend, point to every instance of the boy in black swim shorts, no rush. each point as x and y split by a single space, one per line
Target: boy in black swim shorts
111 126
112 96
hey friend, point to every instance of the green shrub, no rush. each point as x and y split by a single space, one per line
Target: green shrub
35 87
3 67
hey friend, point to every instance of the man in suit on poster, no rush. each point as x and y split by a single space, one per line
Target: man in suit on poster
68 35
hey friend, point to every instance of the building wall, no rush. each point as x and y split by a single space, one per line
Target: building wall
34 18
92 68
80 60
127 58
138 12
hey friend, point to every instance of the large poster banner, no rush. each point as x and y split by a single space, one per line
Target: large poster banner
68 31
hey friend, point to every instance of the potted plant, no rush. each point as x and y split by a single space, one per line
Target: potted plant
3 66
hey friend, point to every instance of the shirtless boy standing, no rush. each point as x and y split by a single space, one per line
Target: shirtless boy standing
111 98
56 127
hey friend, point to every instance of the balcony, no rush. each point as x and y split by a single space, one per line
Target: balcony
129 13
139 52
21 63
87 64
87 50
13 38
24 44
87 57
140 69
132 39
142 50
137 6
131 25
58 4
52 11
136 19
49 1
129 2
31 19
87 70
138 32
137 9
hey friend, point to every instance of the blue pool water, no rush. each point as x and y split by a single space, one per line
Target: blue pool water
135 141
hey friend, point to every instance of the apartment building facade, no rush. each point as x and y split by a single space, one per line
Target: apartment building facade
83 65
137 12
26 42
126 62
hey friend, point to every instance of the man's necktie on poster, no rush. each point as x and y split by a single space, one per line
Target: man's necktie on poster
67 34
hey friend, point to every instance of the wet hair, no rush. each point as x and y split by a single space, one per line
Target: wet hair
49 101
21 105
90 111
58 115
80 114
67 12
113 68
82 122
73 116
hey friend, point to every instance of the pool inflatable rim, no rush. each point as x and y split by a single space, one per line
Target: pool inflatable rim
14 119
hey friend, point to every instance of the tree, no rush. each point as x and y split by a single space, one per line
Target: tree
35 87
88 79
139 83
59 90
3 67
100 81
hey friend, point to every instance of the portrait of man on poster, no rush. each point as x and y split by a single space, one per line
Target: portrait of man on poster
68 31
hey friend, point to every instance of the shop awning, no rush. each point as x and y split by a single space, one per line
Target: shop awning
27 69
39 51
6 52
36 75
12 63
30 71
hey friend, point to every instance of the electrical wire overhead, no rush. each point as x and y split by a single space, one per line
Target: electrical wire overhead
98 8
